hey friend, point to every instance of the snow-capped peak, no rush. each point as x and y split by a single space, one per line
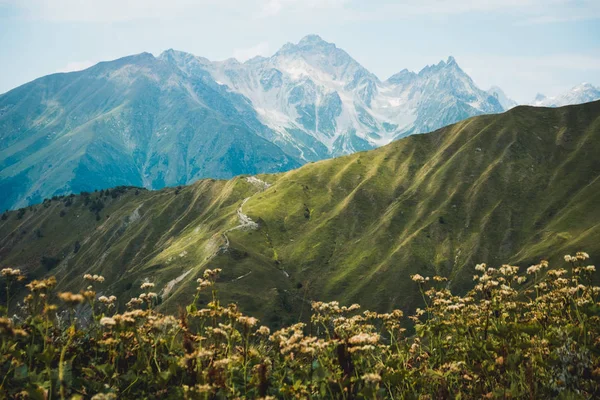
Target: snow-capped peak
320 102
582 93
506 102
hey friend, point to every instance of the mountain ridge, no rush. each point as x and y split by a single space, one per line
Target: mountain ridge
169 120
582 93
510 187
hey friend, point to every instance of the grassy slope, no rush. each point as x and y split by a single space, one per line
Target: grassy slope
516 186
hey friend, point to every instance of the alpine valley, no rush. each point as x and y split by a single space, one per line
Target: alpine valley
173 119
505 188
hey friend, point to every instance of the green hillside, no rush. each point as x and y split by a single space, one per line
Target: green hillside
514 187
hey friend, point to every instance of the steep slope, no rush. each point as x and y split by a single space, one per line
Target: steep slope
579 94
496 188
133 121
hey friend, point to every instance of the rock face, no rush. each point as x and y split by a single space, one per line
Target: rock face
170 120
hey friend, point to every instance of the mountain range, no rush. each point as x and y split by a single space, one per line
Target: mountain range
579 94
173 119
512 187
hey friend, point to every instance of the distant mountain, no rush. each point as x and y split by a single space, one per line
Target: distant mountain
579 94
506 102
170 120
134 121
320 102
512 188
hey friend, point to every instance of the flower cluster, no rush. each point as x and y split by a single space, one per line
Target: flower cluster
529 335
93 278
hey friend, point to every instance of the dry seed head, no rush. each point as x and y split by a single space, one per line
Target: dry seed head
534 269
71 299
10 272
43 285
107 300
212 273
372 378
134 302
248 322
480 267
364 338
107 321
263 330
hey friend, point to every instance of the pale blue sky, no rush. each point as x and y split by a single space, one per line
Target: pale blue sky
523 46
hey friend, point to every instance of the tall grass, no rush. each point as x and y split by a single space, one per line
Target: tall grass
531 335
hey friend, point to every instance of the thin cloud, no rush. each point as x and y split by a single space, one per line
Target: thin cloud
108 10
525 11
271 8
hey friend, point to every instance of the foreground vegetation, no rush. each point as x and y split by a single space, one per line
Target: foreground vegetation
529 335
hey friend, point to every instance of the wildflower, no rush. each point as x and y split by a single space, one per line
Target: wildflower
364 338
203 283
557 272
263 330
590 268
107 321
197 389
500 360
480 267
10 272
152 295
108 342
6 325
71 299
372 378
89 294
134 302
147 285
165 322
248 322
534 269
417 278
581 255
93 278
43 285
568 258
508 270
211 273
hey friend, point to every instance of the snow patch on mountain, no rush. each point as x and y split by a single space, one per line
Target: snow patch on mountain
319 102
582 93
